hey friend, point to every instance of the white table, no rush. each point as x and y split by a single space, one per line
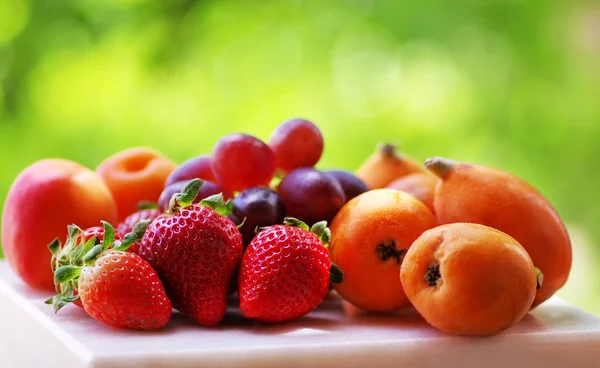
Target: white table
554 335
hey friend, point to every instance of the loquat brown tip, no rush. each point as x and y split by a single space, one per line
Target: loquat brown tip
388 149
440 166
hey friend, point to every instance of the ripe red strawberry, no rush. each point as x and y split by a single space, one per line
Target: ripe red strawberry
195 249
75 240
115 287
126 226
285 272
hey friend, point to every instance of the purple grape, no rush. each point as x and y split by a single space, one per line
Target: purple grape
260 206
311 195
206 190
350 183
195 167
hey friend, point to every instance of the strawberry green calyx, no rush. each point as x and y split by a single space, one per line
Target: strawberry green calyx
291 221
322 232
109 234
187 195
320 228
218 204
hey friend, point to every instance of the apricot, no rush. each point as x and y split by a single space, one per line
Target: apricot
469 279
43 200
135 175
369 237
385 165
492 197
421 185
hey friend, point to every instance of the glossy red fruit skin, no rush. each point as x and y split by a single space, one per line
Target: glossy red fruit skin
195 167
296 143
123 291
195 251
126 226
240 161
284 275
206 190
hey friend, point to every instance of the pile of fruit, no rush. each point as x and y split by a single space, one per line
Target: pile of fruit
471 248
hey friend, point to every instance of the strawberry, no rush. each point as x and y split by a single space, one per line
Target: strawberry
126 226
195 249
115 287
74 239
285 271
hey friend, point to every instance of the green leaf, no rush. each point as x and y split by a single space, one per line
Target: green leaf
127 242
66 273
74 231
218 204
336 274
139 229
54 247
60 300
187 195
82 250
291 221
326 237
109 235
90 256
322 232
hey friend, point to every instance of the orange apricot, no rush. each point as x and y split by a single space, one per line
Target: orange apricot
488 196
469 279
421 185
44 199
369 237
385 165
135 175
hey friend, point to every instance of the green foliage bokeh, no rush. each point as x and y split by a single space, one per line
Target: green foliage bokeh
510 84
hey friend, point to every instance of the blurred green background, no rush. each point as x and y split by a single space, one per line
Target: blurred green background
512 84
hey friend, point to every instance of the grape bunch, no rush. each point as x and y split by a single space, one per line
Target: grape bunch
269 180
